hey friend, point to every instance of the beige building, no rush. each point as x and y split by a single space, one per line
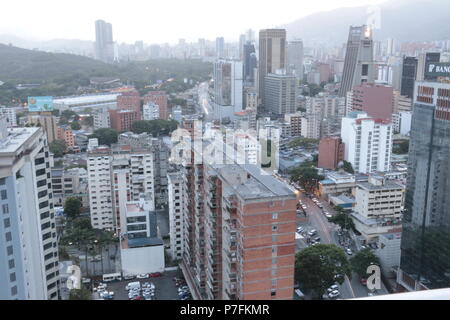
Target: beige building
272 55
379 207
48 122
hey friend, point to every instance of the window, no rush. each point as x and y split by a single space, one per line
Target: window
11 263
7 223
2 181
8 236
9 250
274 215
5 208
12 277
274 227
14 291
3 195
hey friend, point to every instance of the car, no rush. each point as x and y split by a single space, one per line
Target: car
334 287
312 233
137 298
129 277
316 239
142 276
299 229
155 274
349 251
328 215
334 294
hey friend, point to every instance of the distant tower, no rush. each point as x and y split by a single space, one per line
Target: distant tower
250 62
220 47
272 55
358 65
295 58
104 44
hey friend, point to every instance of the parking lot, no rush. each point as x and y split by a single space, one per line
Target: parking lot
165 288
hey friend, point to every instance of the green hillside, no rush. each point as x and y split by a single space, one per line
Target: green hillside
66 74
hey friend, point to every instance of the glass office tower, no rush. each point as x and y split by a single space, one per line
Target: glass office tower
425 256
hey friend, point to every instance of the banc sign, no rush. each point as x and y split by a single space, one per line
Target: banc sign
435 69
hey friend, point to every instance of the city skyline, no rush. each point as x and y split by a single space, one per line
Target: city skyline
132 25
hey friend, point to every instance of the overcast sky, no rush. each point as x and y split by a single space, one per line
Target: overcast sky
156 21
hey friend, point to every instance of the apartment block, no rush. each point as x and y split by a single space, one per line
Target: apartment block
28 246
161 99
331 152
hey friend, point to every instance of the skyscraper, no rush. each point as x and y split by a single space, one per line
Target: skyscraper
358 65
28 245
104 44
220 47
295 58
409 73
250 62
425 257
280 93
228 83
423 61
272 55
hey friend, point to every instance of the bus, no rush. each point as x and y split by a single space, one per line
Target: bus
112 277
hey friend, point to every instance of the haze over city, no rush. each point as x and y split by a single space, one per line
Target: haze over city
160 22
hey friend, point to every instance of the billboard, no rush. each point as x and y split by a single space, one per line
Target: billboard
38 104
438 69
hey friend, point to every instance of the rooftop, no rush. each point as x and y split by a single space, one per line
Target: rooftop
16 138
86 99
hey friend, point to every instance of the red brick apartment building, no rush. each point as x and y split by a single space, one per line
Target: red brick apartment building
122 120
161 99
240 233
331 152
130 101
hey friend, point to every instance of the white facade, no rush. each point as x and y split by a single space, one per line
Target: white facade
28 246
147 259
101 119
228 84
150 111
116 178
368 142
10 114
176 217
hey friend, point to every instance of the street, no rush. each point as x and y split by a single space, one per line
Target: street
328 234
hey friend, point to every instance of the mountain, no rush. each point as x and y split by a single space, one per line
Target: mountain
73 46
412 20
18 64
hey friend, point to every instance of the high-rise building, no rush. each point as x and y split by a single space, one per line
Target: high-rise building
176 213
423 61
425 258
280 93
220 47
104 44
272 56
10 114
250 62
122 120
368 142
295 58
331 152
409 74
47 121
359 64
240 241
228 84
118 175
28 244
374 99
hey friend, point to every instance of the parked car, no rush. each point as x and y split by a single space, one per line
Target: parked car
349 251
312 232
142 276
334 294
156 275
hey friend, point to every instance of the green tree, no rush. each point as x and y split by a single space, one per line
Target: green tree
154 127
105 136
307 176
88 121
58 147
343 220
80 294
319 267
348 167
72 207
362 260
75 125
304 143
402 147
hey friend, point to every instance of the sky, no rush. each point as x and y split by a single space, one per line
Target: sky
156 21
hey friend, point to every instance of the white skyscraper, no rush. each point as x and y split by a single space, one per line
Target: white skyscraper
368 142
176 217
28 246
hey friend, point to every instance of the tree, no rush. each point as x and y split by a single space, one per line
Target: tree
58 147
80 294
72 207
75 125
343 220
319 267
154 127
348 167
307 176
304 143
402 147
105 136
88 121
362 260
